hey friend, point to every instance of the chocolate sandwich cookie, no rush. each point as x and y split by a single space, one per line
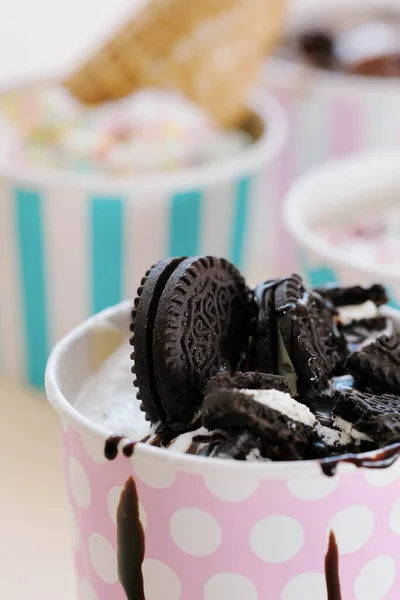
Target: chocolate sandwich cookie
235 412
248 381
377 365
142 325
310 346
356 294
191 320
376 416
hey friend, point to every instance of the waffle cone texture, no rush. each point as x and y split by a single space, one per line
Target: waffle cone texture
209 50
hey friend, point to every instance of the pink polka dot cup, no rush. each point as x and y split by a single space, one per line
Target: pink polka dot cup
215 529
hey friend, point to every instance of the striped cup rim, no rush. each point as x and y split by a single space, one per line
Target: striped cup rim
367 171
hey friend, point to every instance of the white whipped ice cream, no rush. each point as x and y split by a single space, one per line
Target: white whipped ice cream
108 397
349 430
283 403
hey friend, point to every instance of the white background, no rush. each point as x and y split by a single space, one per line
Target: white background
47 36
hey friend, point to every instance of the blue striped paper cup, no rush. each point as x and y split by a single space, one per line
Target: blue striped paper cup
331 193
330 115
71 245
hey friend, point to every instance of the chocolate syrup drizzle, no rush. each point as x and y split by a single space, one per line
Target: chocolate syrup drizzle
111 447
205 446
130 543
131 549
332 569
378 459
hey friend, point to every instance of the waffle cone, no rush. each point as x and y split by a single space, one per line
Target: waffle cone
208 49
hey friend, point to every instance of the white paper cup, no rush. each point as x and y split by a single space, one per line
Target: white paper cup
216 529
330 194
330 114
72 244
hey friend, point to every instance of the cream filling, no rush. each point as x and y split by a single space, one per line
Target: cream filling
349 429
108 397
367 310
333 437
283 403
182 443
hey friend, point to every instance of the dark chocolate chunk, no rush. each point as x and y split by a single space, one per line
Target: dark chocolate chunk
235 412
378 66
308 335
266 342
363 327
317 47
249 381
356 294
377 416
377 365
201 328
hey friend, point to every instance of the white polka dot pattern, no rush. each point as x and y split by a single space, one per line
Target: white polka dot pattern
230 585
95 449
353 527
231 489
157 477
395 518
114 496
312 489
195 532
375 580
160 581
382 477
103 558
79 483
276 539
143 516
310 586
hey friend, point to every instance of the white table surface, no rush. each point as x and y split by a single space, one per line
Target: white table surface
35 550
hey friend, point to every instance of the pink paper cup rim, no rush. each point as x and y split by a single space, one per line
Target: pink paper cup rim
117 315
